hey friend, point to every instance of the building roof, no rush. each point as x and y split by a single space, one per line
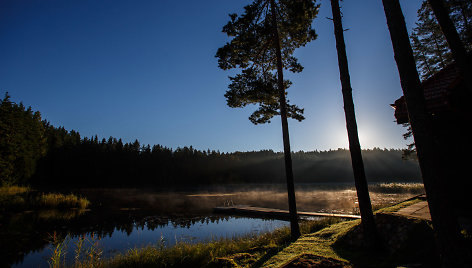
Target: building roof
437 92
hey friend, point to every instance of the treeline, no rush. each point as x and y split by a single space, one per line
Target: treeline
32 151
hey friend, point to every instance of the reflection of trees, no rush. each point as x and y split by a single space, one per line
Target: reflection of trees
29 232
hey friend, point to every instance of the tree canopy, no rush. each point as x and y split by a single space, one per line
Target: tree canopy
429 44
252 49
22 141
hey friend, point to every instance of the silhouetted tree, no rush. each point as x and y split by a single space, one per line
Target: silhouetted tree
431 163
263 40
363 197
429 44
459 52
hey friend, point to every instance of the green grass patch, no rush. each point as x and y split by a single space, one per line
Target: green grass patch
319 243
398 206
403 241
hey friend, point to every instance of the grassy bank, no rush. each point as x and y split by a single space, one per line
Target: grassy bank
16 198
252 250
329 241
404 242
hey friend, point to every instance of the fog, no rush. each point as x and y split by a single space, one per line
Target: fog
335 198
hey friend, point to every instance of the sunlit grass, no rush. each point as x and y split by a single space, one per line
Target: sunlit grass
242 251
334 241
395 187
325 238
13 190
13 197
53 200
397 207
87 252
16 198
318 243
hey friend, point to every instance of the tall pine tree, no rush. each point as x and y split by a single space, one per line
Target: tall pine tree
362 189
263 40
431 161
429 44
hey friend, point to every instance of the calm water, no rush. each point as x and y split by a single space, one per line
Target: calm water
122 219
197 230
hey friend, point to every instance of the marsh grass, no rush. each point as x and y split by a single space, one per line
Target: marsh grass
13 190
242 251
87 252
58 248
13 197
54 200
394 188
16 198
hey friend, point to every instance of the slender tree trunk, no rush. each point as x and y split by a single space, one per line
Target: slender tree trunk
363 197
459 53
292 205
431 165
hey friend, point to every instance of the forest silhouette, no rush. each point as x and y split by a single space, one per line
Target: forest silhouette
62 159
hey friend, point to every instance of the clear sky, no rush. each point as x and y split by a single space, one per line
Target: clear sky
146 70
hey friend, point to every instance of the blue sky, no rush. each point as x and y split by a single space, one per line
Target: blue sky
146 70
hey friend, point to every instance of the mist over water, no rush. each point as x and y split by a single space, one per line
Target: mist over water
317 197
132 218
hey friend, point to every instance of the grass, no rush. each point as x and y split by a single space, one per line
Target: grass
16 198
247 251
13 190
87 252
319 243
397 207
58 201
330 239
404 241
393 188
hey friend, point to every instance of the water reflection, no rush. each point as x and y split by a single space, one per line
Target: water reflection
147 231
127 218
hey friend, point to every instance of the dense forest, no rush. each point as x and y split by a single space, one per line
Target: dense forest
34 152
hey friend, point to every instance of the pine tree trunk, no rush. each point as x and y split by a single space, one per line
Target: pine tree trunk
459 53
292 205
431 165
363 197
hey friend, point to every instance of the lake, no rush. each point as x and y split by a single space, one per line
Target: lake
123 219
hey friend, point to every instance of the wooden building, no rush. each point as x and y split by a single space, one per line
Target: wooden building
448 103
444 93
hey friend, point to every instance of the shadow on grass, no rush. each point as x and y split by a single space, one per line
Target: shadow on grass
269 254
405 242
